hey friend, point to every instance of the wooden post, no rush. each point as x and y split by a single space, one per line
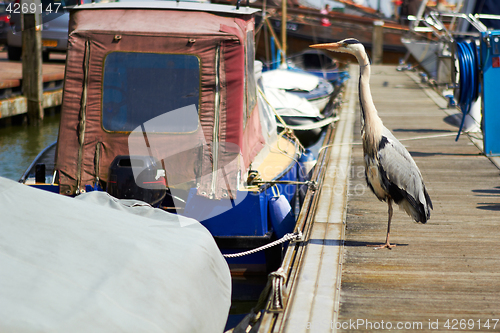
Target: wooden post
273 33
377 42
283 31
32 65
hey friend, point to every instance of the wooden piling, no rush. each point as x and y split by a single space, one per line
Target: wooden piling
283 31
32 67
377 42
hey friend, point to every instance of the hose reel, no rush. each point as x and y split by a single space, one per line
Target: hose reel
466 74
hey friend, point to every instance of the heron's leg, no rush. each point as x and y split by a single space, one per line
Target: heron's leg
389 212
387 244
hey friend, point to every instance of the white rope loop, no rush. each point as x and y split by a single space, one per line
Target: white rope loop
286 238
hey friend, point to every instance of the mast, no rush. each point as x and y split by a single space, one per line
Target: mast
283 31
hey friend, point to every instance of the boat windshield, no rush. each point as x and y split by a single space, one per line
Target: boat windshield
138 87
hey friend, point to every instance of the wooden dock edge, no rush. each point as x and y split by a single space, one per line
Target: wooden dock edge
18 105
314 280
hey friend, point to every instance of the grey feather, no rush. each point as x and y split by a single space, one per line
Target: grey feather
401 170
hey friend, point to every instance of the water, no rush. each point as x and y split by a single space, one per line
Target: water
245 295
20 144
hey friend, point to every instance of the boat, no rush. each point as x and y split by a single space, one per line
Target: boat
428 41
97 264
170 113
295 76
304 102
319 63
304 28
42 170
314 89
433 30
439 40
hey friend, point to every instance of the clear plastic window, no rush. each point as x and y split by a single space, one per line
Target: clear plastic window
250 69
138 87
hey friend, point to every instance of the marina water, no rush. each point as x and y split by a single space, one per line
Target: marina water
20 144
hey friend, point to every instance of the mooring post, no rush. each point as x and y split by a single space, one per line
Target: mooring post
283 32
377 42
32 62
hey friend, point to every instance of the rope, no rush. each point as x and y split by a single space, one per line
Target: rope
407 139
276 282
468 83
287 130
311 184
279 289
286 238
427 137
274 110
318 124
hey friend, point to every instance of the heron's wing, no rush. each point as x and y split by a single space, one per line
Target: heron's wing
401 176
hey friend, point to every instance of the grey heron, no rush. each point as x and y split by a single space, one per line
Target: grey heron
390 171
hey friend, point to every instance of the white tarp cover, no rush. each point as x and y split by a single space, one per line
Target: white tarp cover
288 104
276 83
290 80
98 264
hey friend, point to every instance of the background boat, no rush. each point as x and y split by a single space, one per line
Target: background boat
304 28
319 63
303 101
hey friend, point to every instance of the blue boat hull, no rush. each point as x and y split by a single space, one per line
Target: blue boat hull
242 224
245 223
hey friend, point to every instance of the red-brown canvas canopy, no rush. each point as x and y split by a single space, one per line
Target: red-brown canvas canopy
175 79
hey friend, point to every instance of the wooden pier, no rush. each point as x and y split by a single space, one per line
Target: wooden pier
12 102
444 275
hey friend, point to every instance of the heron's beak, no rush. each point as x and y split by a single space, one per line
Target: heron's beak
327 46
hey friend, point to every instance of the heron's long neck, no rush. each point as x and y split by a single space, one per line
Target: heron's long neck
372 124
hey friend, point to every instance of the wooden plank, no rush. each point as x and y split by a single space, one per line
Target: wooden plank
11 72
18 105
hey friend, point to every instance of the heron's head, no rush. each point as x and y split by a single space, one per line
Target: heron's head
349 45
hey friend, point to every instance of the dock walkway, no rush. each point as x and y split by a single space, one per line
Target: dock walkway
442 276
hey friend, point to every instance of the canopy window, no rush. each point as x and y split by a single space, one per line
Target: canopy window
138 87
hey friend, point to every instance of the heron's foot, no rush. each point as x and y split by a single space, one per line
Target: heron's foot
383 246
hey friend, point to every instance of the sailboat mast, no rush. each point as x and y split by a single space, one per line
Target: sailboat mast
283 31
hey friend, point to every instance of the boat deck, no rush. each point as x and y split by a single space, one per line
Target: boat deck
280 155
442 276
